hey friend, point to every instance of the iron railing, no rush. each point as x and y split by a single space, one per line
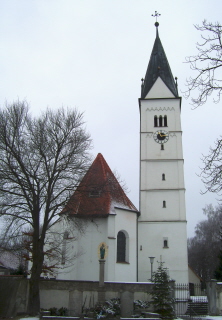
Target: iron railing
190 301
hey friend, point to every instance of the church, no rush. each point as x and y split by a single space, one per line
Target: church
131 241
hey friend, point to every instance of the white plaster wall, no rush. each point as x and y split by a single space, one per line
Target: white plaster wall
159 89
168 107
152 175
152 205
193 278
151 237
152 150
86 265
127 221
157 223
111 242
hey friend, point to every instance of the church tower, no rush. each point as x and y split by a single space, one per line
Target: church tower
162 222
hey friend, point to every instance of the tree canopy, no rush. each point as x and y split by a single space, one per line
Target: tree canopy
42 160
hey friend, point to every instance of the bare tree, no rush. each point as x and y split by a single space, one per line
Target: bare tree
41 161
206 64
207 82
204 247
211 173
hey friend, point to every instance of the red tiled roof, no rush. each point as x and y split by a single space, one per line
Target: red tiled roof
98 192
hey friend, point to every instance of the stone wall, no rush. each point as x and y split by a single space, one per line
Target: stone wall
13 295
73 295
79 295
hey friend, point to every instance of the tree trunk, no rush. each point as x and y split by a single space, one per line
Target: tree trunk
34 296
34 291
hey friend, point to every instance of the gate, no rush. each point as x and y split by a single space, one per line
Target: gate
190 301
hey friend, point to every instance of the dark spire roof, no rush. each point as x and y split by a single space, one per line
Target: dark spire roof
98 193
158 67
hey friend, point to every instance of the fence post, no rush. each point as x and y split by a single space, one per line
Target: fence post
126 304
212 298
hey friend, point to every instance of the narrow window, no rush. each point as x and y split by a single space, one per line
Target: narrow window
162 146
63 256
65 237
155 121
164 204
94 193
121 247
163 176
165 243
160 121
165 121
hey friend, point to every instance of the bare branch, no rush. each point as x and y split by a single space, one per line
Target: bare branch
206 65
211 173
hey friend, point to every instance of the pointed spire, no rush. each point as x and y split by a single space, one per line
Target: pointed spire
158 67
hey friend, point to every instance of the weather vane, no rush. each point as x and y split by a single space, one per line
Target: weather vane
156 15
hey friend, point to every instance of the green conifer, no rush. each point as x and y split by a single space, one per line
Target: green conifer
161 293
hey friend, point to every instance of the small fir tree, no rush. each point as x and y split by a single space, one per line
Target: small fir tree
162 293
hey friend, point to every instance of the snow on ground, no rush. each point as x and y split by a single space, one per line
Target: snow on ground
203 318
30 318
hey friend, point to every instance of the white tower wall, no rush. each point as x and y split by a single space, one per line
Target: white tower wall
162 223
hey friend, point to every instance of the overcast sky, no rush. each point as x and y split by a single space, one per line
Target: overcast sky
92 54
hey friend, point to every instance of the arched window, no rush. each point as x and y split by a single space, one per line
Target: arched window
164 204
162 146
155 121
160 121
163 176
121 247
165 121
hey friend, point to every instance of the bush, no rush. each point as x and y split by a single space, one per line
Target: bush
62 312
108 308
140 304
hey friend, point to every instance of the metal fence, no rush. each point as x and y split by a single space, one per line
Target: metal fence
190 301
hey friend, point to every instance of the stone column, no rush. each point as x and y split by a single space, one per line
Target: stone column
101 272
101 292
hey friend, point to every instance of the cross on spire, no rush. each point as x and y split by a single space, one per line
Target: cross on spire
156 15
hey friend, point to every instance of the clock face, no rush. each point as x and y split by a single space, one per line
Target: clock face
161 136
